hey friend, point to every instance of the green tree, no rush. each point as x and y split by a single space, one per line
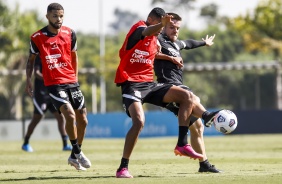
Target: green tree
15 32
227 45
89 57
124 19
261 29
227 89
113 44
209 11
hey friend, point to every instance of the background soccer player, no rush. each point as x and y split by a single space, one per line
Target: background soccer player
42 103
57 48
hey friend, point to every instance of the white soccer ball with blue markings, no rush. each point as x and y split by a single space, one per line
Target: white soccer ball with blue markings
225 121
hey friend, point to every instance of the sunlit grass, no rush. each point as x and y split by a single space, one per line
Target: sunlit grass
244 158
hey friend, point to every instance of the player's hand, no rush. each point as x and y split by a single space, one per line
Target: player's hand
209 40
178 61
166 19
28 88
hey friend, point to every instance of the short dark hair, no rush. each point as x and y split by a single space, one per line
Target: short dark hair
175 16
157 13
54 6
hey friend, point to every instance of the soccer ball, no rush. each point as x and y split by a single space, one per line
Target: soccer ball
225 121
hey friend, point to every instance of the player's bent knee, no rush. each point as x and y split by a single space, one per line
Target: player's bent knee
186 96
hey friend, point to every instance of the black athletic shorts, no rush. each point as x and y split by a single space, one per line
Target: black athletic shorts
144 92
174 107
66 93
42 102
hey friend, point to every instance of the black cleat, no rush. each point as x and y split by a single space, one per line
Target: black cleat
209 119
210 168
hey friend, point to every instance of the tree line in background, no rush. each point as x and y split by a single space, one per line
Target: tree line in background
254 37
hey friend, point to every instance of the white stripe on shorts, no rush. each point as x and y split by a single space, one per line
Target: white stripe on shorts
81 104
58 99
37 106
131 97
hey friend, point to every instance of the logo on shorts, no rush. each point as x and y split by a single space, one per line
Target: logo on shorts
137 94
62 94
77 95
43 106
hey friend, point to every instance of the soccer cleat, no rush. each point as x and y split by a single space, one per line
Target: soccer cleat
27 148
123 173
210 168
187 151
209 119
74 162
67 148
83 160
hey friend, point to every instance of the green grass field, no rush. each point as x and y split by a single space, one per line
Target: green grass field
245 159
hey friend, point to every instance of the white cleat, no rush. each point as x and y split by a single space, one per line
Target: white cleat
83 160
74 162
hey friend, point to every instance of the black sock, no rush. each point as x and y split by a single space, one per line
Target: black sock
72 155
65 140
182 136
26 139
75 147
123 164
205 163
205 115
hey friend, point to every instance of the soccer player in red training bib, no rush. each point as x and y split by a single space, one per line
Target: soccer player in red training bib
57 48
135 77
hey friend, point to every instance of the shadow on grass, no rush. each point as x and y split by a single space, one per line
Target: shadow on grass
69 178
54 178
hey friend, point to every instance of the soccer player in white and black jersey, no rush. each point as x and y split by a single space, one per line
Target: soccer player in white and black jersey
170 70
